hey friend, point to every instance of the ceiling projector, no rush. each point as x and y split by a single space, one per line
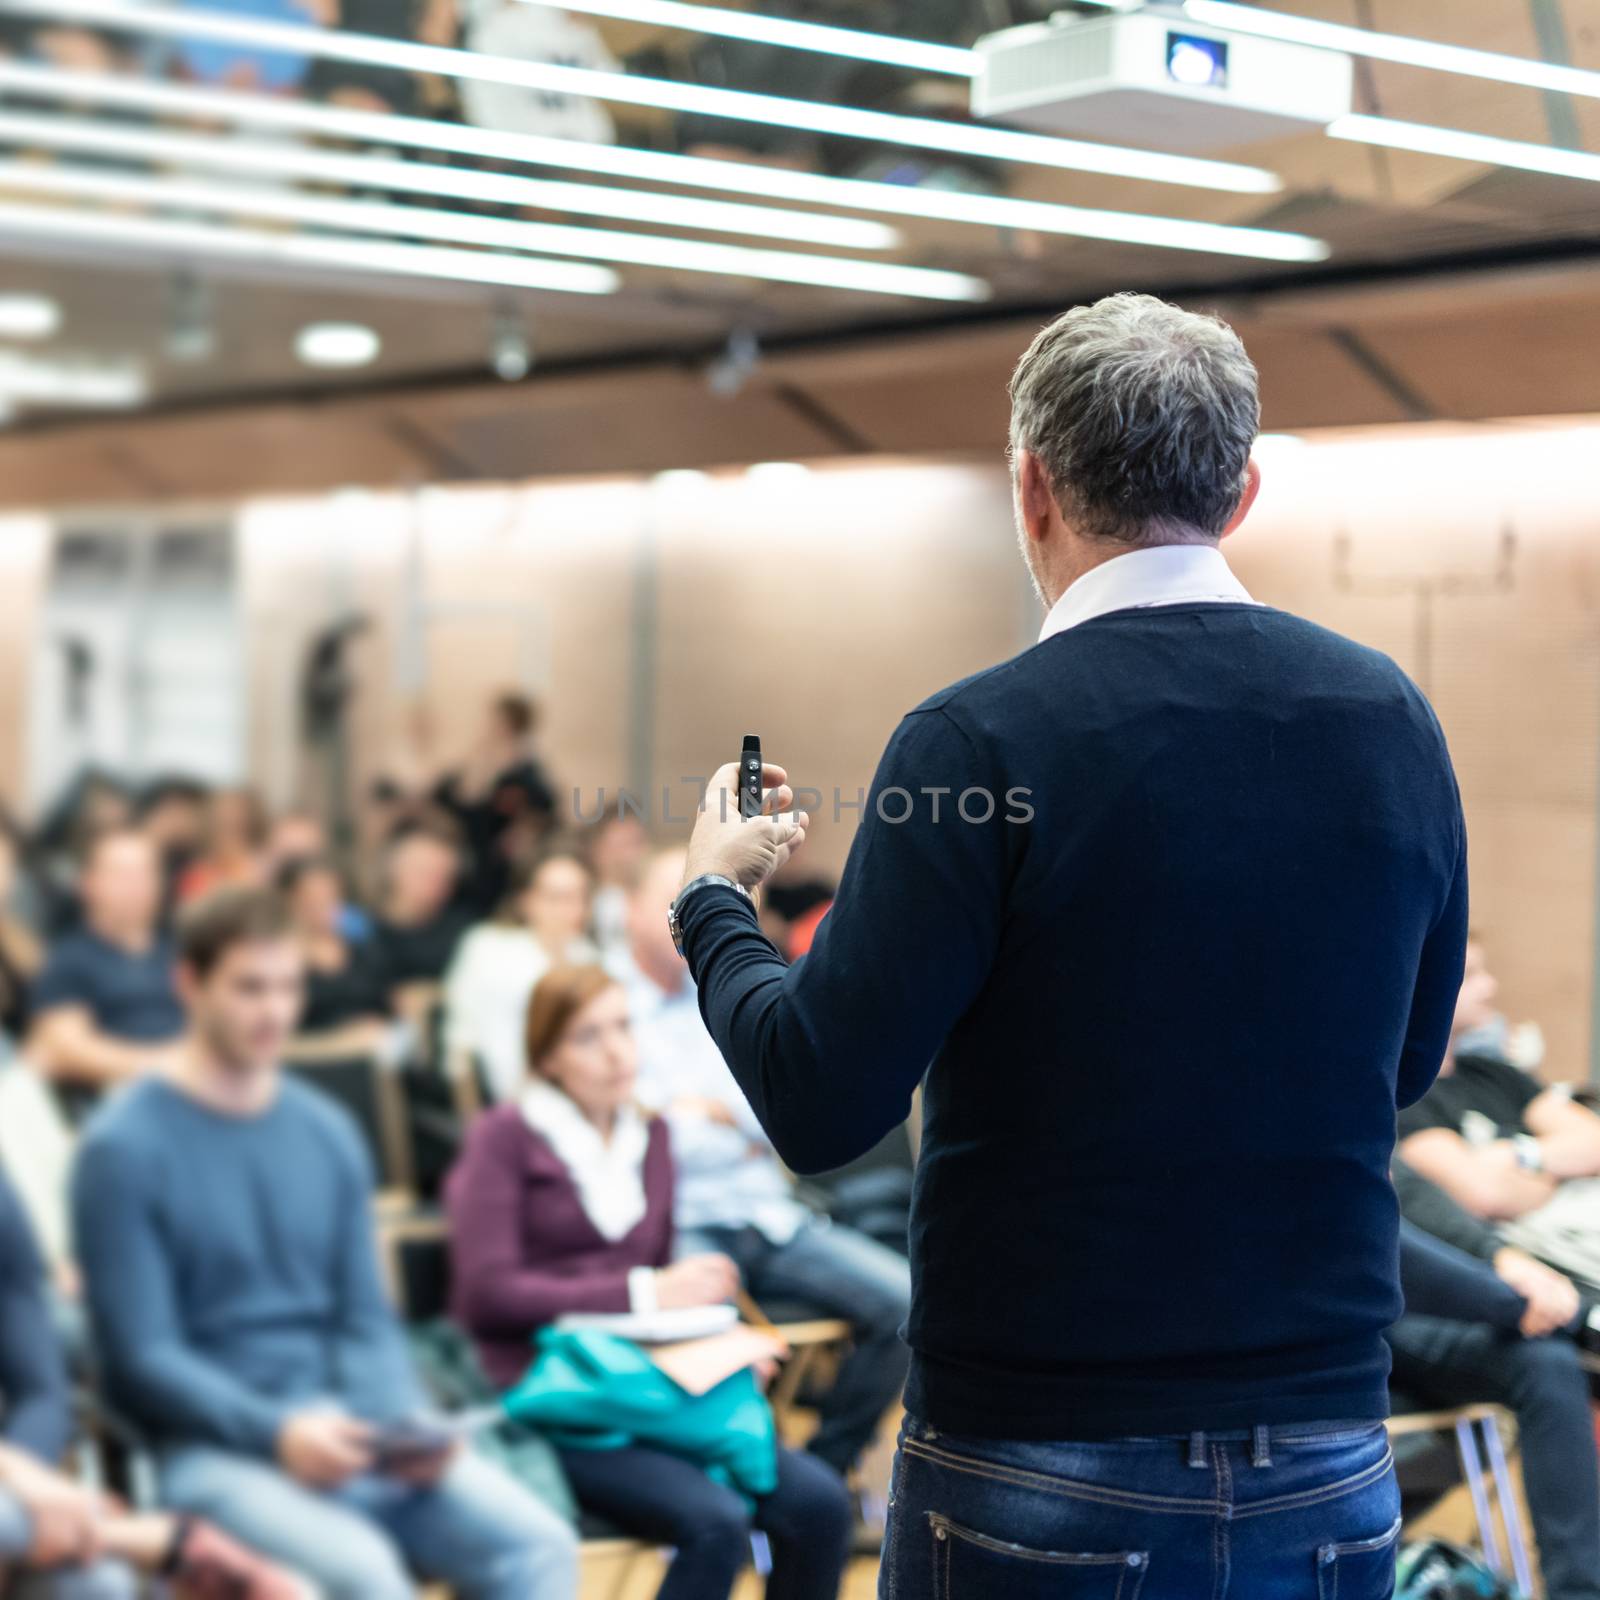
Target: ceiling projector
1150 77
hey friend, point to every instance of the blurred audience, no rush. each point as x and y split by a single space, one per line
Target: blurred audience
172 815
64 1540
562 1202
230 855
734 1197
1467 1353
346 984
1507 1149
536 33
421 916
223 1220
489 982
104 1008
21 952
618 848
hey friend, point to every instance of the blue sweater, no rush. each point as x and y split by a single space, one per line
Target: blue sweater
1171 996
231 1268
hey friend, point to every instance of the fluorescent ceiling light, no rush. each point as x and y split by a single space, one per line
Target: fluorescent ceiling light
925 133
1395 47
28 316
25 380
381 172
1467 146
941 205
778 474
337 344
422 222
913 53
680 480
101 230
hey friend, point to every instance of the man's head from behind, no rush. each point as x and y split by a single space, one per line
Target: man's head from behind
1131 424
241 977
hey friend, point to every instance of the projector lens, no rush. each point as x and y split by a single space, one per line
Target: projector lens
1197 62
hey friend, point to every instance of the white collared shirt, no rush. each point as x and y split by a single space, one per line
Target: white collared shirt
1153 575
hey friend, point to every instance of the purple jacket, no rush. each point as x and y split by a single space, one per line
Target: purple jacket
523 1250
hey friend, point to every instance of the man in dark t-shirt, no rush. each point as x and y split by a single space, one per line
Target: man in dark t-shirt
104 1007
1496 1140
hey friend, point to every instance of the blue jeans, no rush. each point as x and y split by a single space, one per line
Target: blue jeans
839 1273
807 1519
477 1529
1305 1512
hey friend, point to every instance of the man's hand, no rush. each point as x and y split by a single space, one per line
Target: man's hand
67 1518
696 1281
747 849
423 1472
1552 1298
324 1448
703 1107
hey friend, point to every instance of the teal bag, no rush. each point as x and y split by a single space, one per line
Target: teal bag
594 1391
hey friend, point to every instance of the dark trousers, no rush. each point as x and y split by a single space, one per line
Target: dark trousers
1459 1363
808 1520
1303 1512
838 1273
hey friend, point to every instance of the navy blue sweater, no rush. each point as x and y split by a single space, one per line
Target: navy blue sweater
1171 996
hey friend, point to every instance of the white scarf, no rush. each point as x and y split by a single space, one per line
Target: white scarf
609 1175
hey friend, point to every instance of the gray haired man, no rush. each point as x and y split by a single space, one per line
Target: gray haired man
1170 1007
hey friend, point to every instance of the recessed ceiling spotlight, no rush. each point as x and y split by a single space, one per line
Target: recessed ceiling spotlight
337 344
28 316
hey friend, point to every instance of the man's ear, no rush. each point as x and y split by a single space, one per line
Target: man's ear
1252 487
1035 499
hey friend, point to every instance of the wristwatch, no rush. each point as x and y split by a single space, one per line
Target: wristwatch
674 921
1528 1151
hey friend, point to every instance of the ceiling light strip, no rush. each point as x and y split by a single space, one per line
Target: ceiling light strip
1396 47
416 177
916 54
926 133
180 239
423 222
778 183
1494 152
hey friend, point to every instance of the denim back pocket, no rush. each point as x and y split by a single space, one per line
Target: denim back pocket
972 1566
1360 1570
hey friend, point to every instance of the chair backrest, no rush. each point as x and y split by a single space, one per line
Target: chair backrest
373 1096
416 1258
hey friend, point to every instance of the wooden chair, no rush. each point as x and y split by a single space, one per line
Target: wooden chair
344 1065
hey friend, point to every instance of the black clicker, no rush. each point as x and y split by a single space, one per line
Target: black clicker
750 777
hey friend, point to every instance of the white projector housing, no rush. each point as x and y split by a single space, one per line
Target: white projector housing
1152 78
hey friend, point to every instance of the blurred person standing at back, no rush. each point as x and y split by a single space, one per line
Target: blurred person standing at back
1175 904
501 796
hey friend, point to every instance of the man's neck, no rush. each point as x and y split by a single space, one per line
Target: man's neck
1079 554
234 1089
